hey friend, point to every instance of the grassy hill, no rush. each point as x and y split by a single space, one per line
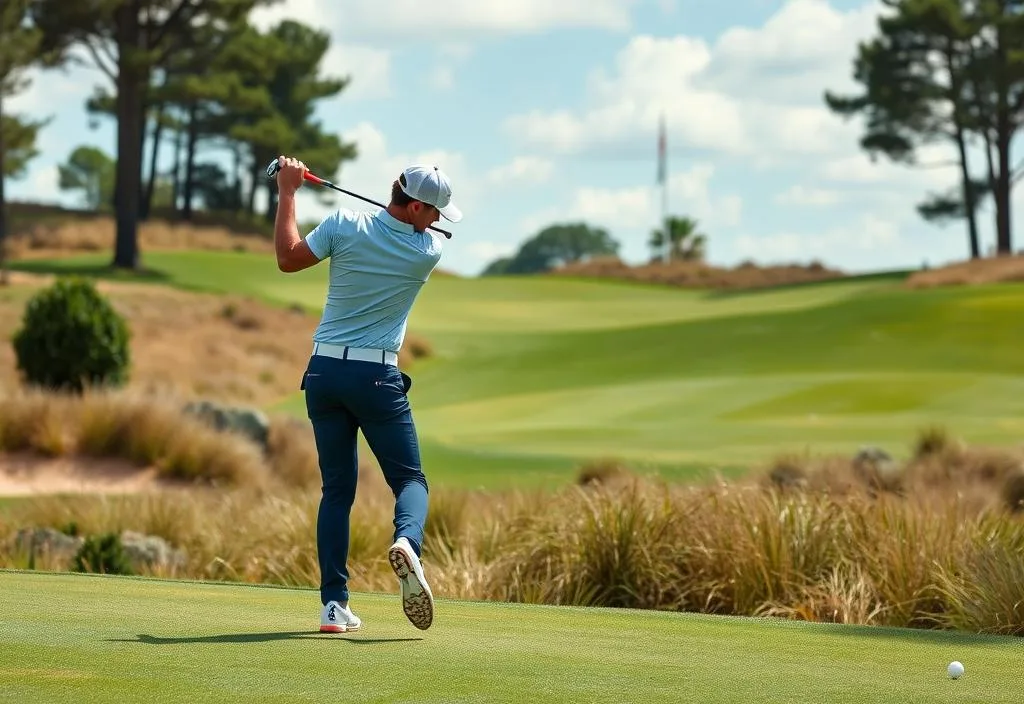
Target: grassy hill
132 640
531 376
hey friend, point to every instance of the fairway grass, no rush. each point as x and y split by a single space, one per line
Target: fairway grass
68 637
532 376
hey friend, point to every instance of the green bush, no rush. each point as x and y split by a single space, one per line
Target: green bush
103 554
71 337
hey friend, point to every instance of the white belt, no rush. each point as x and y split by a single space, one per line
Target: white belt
360 354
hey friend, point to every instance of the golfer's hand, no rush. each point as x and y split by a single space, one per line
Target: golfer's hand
290 175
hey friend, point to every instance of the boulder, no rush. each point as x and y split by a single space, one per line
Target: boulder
47 543
248 422
877 468
151 553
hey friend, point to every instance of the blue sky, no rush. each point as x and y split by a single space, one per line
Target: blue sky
545 112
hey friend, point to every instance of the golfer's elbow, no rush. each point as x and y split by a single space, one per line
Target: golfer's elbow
295 258
287 264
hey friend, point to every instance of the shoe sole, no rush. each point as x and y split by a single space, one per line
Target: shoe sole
333 629
417 602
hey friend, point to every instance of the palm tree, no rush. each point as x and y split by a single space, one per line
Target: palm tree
685 243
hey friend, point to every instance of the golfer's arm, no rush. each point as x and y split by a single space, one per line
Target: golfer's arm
293 254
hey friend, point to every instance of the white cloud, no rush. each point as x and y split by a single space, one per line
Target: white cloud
803 195
367 68
486 252
523 169
449 20
471 16
805 47
364 39
639 207
868 234
72 84
889 189
315 13
43 182
442 78
719 97
457 51
668 7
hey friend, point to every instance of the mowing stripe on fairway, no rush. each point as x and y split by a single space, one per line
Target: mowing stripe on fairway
69 637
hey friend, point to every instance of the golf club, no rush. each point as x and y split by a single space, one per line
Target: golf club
273 168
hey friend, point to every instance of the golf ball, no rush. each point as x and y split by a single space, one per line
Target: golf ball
955 669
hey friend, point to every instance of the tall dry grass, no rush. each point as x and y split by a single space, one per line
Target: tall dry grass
61 235
697 274
922 553
986 270
153 431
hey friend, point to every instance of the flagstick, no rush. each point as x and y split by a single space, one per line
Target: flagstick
664 218
663 171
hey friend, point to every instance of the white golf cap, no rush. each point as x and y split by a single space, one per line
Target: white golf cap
431 186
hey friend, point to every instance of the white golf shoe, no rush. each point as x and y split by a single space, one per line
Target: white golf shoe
417 601
335 618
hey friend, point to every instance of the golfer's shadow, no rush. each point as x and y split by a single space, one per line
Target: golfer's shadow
256 638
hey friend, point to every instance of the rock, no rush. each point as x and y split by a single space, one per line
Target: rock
47 543
248 422
151 553
877 468
146 553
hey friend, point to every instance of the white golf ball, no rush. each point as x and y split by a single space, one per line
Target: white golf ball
955 669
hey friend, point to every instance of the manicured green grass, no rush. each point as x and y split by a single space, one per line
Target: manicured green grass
533 375
108 639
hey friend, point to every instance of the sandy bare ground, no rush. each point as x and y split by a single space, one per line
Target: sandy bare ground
234 349
27 475
978 271
695 274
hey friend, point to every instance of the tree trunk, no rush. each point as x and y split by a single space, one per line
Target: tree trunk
147 200
3 203
143 123
970 199
236 178
1004 136
253 183
970 202
271 213
179 145
130 81
190 160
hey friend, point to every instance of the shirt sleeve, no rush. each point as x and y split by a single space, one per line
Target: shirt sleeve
328 239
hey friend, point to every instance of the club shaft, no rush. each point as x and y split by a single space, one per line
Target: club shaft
272 172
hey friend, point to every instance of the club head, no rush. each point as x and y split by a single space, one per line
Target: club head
272 169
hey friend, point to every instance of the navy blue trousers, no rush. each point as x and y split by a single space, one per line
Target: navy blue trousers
343 397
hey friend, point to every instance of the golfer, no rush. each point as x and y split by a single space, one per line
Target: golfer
379 262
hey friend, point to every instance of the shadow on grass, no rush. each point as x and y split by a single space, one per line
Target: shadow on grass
255 638
95 270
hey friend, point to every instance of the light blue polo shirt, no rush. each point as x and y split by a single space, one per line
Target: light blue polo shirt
378 266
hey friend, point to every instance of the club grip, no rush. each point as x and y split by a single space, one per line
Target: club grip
273 167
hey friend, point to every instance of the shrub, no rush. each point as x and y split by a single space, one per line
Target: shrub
103 554
71 337
933 441
1013 492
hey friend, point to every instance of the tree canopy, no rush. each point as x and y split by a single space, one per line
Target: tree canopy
194 76
946 71
554 246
